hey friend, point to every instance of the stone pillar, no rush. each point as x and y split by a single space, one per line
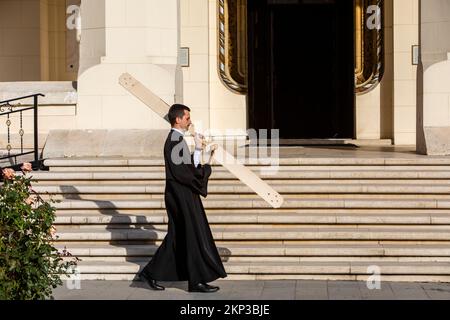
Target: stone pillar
406 34
433 112
194 35
135 36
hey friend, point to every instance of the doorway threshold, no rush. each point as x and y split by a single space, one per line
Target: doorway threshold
327 142
336 142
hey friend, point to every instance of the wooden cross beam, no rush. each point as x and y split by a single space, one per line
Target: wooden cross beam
241 172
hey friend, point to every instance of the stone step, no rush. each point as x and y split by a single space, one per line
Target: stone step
276 242
315 182
248 197
224 175
260 218
282 259
279 277
288 268
252 167
341 216
395 188
253 226
251 211
303 160
257 233
356 250
259 203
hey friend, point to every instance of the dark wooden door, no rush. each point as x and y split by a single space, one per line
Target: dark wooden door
301 68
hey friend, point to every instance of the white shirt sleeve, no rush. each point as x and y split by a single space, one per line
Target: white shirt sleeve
197 154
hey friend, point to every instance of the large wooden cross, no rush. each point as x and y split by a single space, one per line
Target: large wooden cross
241 172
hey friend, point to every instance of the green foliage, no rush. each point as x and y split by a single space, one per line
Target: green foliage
30 267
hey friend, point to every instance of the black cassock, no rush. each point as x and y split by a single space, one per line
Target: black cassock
188 252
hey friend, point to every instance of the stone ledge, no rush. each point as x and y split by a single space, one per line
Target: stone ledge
437 141
105 143
56 92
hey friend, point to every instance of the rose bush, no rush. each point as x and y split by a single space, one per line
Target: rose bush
30 267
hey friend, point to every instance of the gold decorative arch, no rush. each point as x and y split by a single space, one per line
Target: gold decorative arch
369 44
232 45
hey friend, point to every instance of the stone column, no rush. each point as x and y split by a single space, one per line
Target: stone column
405 73
135 36
433 112
140 37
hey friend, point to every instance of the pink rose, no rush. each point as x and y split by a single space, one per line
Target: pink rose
9 174
26 167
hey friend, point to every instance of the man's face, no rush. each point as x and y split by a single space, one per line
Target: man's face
185 122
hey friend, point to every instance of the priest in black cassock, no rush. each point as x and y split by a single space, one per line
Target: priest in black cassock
188 252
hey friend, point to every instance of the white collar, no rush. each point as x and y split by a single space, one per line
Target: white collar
181 132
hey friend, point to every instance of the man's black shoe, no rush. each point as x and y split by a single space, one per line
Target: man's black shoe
151 282
202 287
211 287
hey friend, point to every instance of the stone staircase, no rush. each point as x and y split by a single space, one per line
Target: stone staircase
341 216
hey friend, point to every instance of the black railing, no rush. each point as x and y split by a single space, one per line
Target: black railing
10 107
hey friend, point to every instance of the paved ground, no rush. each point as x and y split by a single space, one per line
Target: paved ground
349 151
337 151
257 290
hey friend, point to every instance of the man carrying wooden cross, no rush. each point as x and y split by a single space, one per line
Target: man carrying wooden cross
188 252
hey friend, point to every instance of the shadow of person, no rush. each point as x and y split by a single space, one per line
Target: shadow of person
135 235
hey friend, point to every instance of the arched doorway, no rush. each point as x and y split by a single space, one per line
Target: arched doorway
301 67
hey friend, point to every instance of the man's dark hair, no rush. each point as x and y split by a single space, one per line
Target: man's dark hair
176 111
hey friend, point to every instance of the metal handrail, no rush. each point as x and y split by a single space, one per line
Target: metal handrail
7 105
22 98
